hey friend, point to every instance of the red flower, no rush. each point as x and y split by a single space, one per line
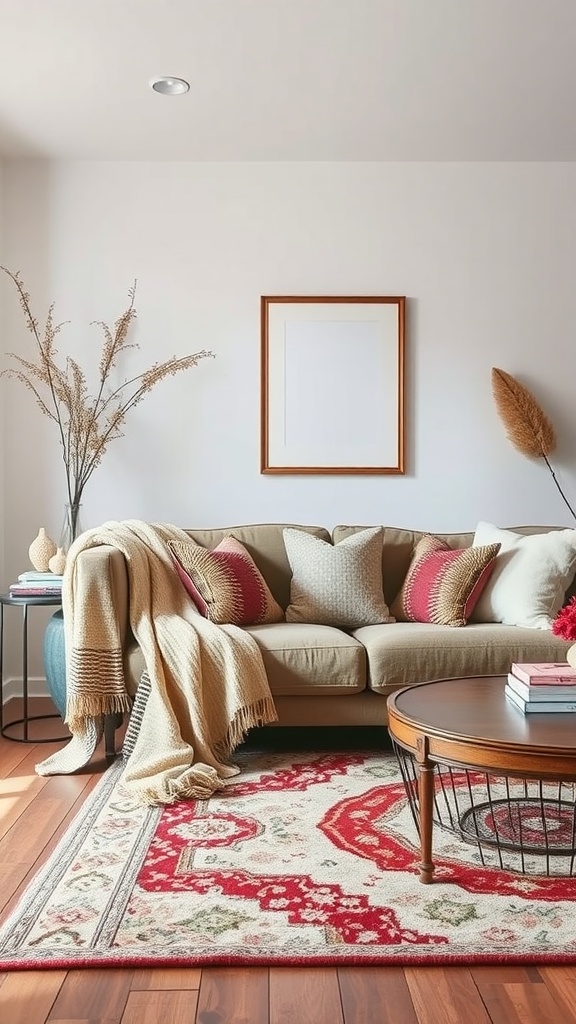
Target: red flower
565 622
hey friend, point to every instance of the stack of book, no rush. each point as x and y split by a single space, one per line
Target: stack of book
545 687
37 584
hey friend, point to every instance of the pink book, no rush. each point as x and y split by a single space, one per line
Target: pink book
546 673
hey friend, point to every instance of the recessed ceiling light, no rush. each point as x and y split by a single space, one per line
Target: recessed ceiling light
170 86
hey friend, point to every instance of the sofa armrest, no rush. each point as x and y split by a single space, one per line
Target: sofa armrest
103 568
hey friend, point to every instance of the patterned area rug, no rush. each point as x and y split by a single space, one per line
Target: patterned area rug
303 859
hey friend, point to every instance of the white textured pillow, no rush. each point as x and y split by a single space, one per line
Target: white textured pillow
530 578
336 584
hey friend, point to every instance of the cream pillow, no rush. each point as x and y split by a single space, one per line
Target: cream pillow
336 584
531 576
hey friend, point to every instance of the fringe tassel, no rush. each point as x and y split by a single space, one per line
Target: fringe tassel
96 685
187 787
89 705
262 712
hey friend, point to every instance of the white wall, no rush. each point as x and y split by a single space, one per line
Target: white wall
485 254
2 383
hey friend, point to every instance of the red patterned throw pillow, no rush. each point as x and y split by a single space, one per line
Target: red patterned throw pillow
225 583
443 584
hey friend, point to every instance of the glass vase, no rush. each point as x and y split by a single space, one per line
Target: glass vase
71 526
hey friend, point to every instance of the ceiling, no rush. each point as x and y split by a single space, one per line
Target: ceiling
289 79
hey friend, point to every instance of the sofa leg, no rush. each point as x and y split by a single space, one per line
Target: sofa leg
111 723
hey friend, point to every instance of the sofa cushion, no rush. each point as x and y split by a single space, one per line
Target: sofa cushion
403 653
530 578
224 583
443 584
339 585
304 659
265 543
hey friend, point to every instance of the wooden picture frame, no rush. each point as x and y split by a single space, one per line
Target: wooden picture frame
332 384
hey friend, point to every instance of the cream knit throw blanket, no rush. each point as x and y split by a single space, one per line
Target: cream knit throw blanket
208 684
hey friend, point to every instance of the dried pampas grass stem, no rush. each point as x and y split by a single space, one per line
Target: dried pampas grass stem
527 425
86 422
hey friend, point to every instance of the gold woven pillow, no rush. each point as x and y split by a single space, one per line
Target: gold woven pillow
443 584
225 583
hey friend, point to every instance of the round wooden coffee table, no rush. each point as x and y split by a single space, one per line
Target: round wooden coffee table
452 734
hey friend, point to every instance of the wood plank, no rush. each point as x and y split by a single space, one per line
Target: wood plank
51 805
505 974
446 994
39 730
305 995
82 1020
11 754
520 1004
165 978
93 992
375 995
167 1007
12 877
26 997
233 995
31 839
20 786
561 982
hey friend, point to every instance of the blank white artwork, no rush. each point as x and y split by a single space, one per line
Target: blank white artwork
333 385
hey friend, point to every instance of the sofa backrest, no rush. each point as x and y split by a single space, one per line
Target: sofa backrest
399 545
265 542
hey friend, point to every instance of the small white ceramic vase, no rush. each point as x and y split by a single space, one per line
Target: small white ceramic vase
571 656
57 563
41 550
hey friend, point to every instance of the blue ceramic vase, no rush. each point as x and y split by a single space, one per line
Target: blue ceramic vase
55 660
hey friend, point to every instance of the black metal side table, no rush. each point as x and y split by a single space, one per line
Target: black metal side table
24 603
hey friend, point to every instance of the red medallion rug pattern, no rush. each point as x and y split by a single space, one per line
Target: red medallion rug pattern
302 859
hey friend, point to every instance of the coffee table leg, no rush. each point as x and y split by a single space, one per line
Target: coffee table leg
425 802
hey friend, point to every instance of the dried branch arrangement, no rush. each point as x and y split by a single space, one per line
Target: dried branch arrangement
86 422
526 424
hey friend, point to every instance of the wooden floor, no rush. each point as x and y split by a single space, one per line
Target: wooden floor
33 814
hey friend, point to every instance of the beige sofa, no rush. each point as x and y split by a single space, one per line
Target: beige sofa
323 675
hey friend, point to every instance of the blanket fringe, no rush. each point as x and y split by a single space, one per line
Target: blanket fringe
199 782
91 705
95 685
261 712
